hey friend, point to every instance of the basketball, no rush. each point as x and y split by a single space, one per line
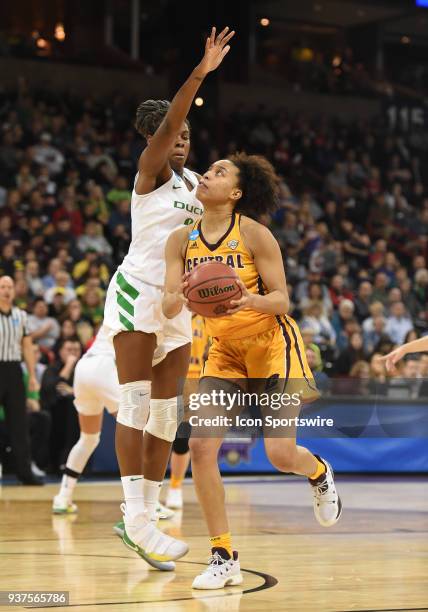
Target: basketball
211 287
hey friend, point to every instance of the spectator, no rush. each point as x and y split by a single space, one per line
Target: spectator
57 306
363 300
120 191
120 215
350 355
360 376
82 269
49 280
376 335
32 276
338 291
380 289
56 396
340 317
377 309
47 155
92 306
62 286
398 323
93 239
44 330
316 294
420 288
410 299
315 319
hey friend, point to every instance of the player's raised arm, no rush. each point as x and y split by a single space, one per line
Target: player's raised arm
154 159
268 261
173 299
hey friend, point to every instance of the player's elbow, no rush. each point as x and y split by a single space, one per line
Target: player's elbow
171 308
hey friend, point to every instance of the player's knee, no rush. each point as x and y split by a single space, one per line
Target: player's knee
284 459
181 442
165 416
134 402
89 441
202 449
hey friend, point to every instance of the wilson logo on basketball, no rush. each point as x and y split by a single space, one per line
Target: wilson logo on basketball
206 292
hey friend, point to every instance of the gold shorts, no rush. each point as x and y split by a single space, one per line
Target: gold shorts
277 353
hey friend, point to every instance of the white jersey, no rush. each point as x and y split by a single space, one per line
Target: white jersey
102 345
155 216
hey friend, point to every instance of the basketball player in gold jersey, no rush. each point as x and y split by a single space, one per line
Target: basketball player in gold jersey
180 456
257 340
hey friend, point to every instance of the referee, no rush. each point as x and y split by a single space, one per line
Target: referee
15 344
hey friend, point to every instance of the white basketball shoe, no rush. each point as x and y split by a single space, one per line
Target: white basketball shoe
61 505
143 537
221 572
327 503
174 499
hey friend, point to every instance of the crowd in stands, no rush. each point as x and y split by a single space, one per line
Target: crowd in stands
352 225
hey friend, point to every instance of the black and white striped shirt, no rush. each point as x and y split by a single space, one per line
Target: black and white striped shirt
13 326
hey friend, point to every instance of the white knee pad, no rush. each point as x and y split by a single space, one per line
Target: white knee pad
134 402
82 450
165 417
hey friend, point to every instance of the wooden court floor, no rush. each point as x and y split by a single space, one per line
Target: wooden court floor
375 558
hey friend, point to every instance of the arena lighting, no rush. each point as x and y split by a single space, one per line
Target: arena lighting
337 60
405 40
264 21
59 32
423 3
199 101
42 43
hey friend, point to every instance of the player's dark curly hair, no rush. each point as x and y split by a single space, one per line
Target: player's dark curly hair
258 182
150 115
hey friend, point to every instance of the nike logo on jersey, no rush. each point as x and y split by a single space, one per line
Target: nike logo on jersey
176 186
138 478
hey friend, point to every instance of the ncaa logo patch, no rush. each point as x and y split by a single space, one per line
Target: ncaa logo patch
194 234
232 244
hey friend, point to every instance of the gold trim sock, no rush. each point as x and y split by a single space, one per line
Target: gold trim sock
223 541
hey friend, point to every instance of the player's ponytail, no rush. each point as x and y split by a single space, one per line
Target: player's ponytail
258 182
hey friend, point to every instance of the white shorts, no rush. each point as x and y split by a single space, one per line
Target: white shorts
96 385
133 305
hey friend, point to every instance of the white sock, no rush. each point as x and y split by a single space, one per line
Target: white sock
77 459
151 491
133 494
67 487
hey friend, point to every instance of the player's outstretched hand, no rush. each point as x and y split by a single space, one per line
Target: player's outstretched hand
216 48
244 301
393 357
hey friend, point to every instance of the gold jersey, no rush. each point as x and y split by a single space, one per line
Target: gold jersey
231 250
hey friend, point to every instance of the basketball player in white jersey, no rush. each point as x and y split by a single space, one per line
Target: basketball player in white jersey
95 387
163 200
